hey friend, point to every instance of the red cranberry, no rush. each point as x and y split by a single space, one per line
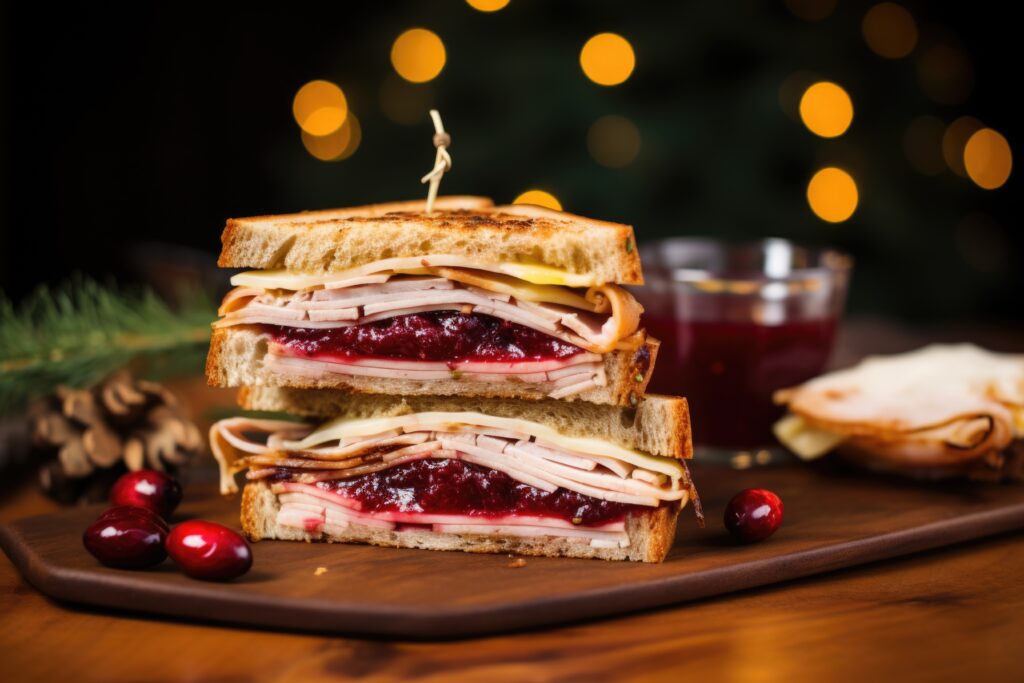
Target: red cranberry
147 489
127 537
207 550
131 511
753 515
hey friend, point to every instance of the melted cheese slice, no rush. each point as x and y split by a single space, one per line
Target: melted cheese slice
534 273
521 290
348 428
547 275
806 441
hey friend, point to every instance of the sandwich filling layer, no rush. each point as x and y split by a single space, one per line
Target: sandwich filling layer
448 472
437 323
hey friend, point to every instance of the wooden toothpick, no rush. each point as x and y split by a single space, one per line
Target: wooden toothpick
442 161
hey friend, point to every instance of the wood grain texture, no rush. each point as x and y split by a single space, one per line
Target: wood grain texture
952 614
833 520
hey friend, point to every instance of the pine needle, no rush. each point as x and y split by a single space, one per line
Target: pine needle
81 331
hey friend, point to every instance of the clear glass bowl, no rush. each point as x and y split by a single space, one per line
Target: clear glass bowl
738 322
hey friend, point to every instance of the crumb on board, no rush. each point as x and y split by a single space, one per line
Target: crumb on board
517 562
319 571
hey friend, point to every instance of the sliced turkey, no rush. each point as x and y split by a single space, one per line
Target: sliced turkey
597 321
538 463
566 377
314 510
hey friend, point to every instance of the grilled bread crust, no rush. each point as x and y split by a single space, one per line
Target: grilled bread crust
338 239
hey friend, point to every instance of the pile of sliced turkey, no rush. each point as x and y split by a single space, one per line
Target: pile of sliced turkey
528 454
597 320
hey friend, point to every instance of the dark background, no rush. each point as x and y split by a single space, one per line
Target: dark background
138 125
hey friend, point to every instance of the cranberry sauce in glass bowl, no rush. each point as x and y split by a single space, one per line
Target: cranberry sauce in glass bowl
737 322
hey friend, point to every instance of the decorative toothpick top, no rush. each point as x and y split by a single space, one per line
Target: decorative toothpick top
442 161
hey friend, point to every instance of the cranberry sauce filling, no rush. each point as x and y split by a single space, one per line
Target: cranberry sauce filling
432 336
455 487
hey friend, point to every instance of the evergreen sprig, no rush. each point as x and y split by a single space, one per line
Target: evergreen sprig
79 332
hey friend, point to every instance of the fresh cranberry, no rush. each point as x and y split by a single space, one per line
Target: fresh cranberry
127 537
207 550
134 512
149 489
753 515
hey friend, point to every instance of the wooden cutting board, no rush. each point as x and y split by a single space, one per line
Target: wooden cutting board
834 519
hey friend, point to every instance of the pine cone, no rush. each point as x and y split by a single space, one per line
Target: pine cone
93 436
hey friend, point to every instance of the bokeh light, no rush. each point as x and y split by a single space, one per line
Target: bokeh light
988 159
404 102
607 59
320 107
832 194
889 30
922 143
811 10
539 198
944 71
487 5
954 140
613 141
418 55
826 109
341 144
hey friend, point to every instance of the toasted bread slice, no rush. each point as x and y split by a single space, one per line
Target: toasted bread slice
338 239
659 425
237 353
651 534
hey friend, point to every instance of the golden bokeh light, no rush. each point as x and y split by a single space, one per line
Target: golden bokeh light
832 194
954 140
607 59
418 55
487 5
922 143
889 30
826 109
811 10
539 198
320 108
341 144
613 141
988 159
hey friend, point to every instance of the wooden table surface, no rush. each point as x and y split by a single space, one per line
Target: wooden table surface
954 614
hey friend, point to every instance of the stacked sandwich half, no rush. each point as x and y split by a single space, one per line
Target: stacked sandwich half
466 379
